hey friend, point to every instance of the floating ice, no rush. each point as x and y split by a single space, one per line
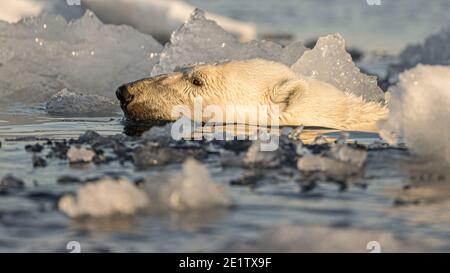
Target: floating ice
327 168
345 153
158 154
435 51
328 61
257 158
147 156
41 56
339 164
70 103
159 134
103 198
10 182
80 155
203 41
191 189
420 113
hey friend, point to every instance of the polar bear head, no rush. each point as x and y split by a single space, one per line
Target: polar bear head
250 82
299 100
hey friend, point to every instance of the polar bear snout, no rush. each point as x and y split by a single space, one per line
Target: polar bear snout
151 98
124 95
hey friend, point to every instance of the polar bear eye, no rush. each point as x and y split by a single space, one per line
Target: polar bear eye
197 82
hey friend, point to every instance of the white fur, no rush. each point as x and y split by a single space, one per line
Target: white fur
250 83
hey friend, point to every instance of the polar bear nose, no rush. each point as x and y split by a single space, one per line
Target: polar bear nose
123 95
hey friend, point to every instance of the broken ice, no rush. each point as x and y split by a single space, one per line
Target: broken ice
255 157
419 113
339 164
104 198
70 103
41 56
190 189
201 40
80 155
328 61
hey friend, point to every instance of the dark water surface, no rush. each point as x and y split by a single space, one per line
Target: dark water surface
30 222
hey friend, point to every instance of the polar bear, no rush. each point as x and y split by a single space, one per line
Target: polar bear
248 83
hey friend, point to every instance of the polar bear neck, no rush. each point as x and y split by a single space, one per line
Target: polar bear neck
321 104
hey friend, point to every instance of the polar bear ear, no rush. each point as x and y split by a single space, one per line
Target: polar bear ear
287 92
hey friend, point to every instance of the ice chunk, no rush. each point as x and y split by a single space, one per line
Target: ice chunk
159 134
339 164
149 155
80 155
279 152
328 61
10 182
41 56
435 51
328 168
70 103
255 157
103 198
420 113
191 189
201 40
345 153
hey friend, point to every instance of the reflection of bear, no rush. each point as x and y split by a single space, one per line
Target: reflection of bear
250 83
